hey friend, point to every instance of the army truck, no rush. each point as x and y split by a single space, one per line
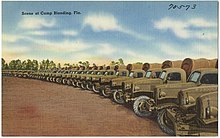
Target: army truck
105 81
59 76
138 71
118 95
123 74
94 71
110 71
78 72
90 79
81 78
195 114
68 77
160 93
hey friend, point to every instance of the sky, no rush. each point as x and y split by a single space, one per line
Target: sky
105 31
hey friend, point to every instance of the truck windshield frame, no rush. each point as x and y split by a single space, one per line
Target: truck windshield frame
162 75
131 74
194 77
148 74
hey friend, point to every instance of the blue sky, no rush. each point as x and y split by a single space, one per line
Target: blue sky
106 31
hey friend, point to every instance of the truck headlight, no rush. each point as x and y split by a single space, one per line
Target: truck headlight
189 100
162 94
128 86
136 88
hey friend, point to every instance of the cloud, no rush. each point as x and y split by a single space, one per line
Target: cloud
106 49
133 57
14 52
70 33
11 38
36 23
200 22
107 22
62 46
38 33
101 22
182 28
193 50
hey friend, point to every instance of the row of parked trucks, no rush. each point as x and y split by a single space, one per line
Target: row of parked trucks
182 94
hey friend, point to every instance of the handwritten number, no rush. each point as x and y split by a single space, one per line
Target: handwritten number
194 6
187 7
172 6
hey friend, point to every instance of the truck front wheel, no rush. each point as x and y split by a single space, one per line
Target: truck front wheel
139 107
118 97
164 123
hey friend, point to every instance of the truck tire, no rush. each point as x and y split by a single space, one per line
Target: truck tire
118 97
73 83
138 107
83 86
64 81
164 123
105 93
95 89
88 87
69 82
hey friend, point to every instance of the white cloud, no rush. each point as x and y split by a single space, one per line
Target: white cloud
70 33
36 23
107 22
106 49
133 57
11 38
102 22
62 46
200 22
39 33
194 50
182 29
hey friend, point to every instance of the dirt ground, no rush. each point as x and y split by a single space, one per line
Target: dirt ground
38 108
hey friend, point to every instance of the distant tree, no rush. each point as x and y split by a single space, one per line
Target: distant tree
139 63
121 62
24 64
6 66
51 65
3 63
18 64
58 65
35 65
86 63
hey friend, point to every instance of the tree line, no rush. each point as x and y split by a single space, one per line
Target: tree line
47 64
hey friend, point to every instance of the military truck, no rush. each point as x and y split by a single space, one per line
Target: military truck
105 81
94 82
88 79
118 95
82 80
160 93
138 71
78 72
195 114
68 76
81 77
123 74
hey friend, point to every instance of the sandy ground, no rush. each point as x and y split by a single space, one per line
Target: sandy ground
38 108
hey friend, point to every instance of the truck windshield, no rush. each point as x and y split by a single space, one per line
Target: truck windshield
106 73
117 73
194 77
131 74
209 78
162 75
148 74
